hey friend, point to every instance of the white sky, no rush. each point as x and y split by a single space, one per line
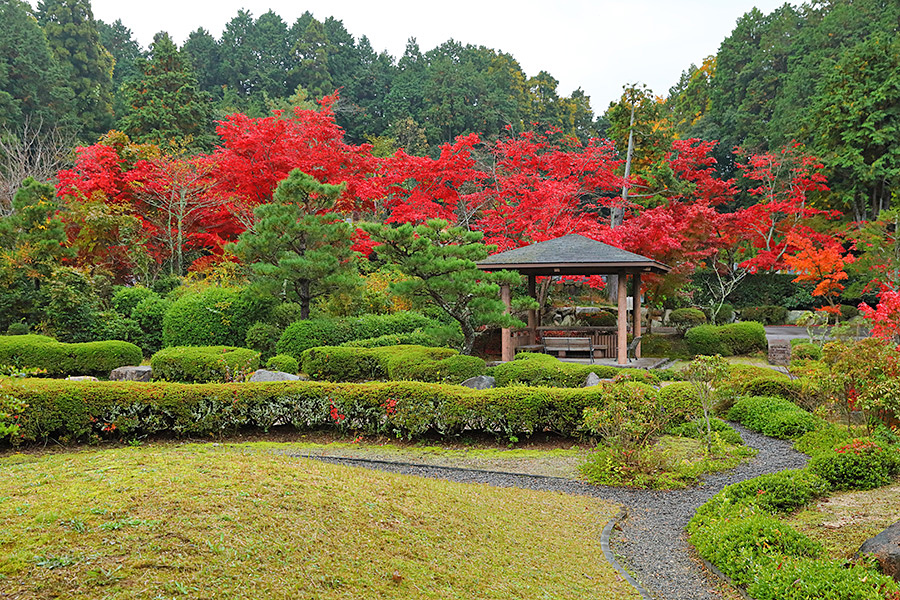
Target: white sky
598 45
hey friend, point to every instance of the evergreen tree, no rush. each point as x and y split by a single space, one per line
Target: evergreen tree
32 86
125 50
87 66
310 57
166 107
298 249
203 51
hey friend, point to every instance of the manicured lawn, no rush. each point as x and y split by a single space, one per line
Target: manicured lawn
205 521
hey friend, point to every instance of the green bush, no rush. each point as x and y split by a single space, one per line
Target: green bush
805 351
602 318
862 464
696 429
283 363
203 364
725 314
303 335
636 376
415 338
111 325
263 337
70 411
784 491
397 363
848 312
217 316
767 315
773 416
17 329
59 359
728 340
126 298
680 400
149 314
704 340
822 580
683 319
669 346
774 385
545 370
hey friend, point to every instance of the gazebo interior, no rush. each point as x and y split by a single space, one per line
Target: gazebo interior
574 255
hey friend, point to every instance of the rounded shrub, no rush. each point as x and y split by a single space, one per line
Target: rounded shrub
704 340
743 338
111 325
544 370
696 429
126 298
397 363
203 364
773 416
283 363
149 314
862 464
217 316
286 313
805 351
767 315
680 401
60 359
683 319
725 315
416 338
17 328
774 385
300 336
262 337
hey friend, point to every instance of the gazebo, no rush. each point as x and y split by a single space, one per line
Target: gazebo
574 255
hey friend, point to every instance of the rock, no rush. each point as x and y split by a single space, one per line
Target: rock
264 375
81 378
482 382
886 548
131 374
592 380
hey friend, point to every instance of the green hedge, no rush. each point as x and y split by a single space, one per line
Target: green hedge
773 416
774 385
203 364
303 335
545 370
863 464
76 411
397 363
683 319
767 314
728 340
213 317
680 400
60 359
283 363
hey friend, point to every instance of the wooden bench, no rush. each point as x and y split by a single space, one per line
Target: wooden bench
562 345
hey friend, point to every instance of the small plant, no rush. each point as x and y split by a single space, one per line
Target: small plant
706 373
10 410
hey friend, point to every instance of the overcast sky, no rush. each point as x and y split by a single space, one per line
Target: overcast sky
598 45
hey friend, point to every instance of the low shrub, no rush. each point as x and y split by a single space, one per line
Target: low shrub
863 464
283 363
415 338
263 337
822 580
602 318
669 346
60 359
767 314
680 400
728 340
545 370
126 298
784 491
303 335
696 429
203 364
149 314
805 351
773 385
636 376
683 319
216 316
77 411
773 416
725 315
848 312
704 340
17 329
398 363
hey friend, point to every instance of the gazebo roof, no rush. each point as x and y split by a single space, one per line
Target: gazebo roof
571 255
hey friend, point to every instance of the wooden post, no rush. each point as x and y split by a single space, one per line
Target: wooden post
506 347
532 313
636 309
622 346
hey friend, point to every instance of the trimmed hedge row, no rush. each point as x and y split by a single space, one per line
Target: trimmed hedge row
60 359
203 364
397 363
303 335
545 370
728 340
76 411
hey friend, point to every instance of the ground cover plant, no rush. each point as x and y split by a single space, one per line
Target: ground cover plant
205 522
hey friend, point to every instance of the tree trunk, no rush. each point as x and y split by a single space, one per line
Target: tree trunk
304 299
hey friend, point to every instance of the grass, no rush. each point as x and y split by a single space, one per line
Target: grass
205 521
843 521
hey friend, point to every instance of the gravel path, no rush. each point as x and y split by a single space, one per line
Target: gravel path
652 539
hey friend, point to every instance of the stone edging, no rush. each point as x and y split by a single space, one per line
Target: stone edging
611 558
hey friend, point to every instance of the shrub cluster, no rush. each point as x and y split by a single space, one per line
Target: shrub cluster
283 363
303 335
60 359
696 429
773 416
217 316
728 340
76 411
203 364
396 363
680 400
683 319
862 464
545 370
767 315
805 351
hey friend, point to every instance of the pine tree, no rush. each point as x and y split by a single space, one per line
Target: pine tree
87 66
165 106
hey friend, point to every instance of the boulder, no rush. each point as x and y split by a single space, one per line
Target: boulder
131 374
482 382
886 548
81 378
592 380
264 375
